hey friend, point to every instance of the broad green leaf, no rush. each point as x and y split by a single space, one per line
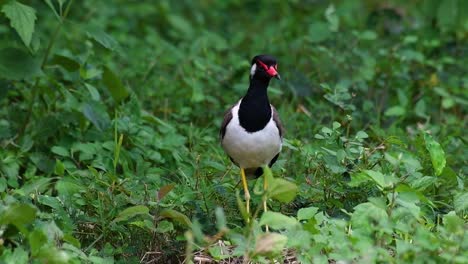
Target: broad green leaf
361 134
36 240
51 5
377 177
395 111
97 114
282 190
460 202
61 151
114 85
93 92
306 213
35 185
358 178
277 220
180 24
53 255
270 244
164 227
177 216
18 214
18 256
16 64
453 223
131 212
22 19
365 212
336 125
106 40
67 63
436 152
59 168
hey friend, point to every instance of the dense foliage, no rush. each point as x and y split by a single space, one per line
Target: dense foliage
109 117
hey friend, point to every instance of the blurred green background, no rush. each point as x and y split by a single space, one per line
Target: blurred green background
110 110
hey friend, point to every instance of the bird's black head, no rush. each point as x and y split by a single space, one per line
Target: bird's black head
264 66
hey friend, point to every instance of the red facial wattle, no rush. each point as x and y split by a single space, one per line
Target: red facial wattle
270 70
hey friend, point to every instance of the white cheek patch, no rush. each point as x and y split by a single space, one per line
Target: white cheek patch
253 69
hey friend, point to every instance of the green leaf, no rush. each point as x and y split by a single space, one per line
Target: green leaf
361 134
277 220
453 223
18 256
51 5
377 177
358 179
220 218
93 92
131 212
180 24
22 19
436 152
36 240
97 114
101 37
18 214
270 244
306 213
59 168
16 64
395 111
61 151
177 216
114 85
164 227
67 63
282 190
460 202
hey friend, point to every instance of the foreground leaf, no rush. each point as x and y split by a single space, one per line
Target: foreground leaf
18 215
283 190
114 85
277 220
270 244
22 19
16 64
436 152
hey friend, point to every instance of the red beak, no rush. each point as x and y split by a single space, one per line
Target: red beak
270 70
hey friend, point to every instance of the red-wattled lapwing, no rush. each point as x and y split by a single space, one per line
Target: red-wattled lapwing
251 132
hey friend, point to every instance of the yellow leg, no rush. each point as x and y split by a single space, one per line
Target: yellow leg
265 187
246 191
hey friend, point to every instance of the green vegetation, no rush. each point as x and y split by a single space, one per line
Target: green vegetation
109 118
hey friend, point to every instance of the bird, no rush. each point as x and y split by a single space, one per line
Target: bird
251 132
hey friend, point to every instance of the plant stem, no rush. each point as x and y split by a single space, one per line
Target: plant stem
44 61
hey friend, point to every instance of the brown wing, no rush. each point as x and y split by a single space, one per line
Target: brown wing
226 120
277 121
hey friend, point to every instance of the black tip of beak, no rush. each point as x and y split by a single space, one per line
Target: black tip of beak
277 76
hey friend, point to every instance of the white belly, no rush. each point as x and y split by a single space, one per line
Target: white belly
251 150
